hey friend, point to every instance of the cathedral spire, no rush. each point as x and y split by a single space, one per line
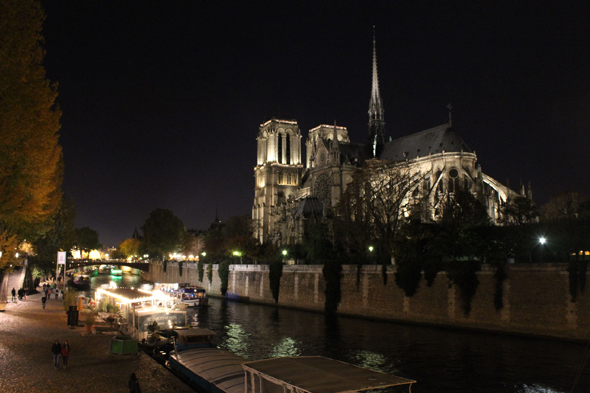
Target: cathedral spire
376 112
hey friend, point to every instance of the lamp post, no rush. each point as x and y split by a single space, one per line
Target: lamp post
371 248
238 254
542 241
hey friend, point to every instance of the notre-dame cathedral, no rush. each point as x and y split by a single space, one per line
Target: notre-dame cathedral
290 194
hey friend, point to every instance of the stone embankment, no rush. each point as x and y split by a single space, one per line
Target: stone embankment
27 332
536 298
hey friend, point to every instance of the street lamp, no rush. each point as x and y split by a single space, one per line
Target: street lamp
285 253
542 241
238 254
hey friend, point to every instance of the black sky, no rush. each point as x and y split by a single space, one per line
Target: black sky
162 100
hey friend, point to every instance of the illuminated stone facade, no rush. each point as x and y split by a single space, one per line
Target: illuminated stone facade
288 197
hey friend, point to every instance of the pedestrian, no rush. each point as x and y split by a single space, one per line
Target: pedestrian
48 293
134 384
56 293
25 293
13 294
20 294
43 301
56 350
65 352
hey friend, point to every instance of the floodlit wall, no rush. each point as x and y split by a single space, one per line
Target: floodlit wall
536 296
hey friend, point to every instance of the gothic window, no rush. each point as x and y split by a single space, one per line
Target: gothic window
453 179
440 183
323 189
280 148
288 148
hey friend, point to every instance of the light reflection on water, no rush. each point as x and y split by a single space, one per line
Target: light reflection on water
441 360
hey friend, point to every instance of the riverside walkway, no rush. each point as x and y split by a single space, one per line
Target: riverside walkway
27 332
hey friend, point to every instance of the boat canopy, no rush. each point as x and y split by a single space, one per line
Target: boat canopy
194 336
314 374
221 368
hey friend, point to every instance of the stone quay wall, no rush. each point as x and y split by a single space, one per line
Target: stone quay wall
536 297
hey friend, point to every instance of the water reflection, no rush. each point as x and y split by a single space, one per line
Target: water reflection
236 340
441 360
286 348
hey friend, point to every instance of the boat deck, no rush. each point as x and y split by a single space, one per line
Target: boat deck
217 366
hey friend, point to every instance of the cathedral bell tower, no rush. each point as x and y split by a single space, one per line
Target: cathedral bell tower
277 173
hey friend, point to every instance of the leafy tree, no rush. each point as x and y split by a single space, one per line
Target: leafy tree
462 214
566 205
163 233
129 247
86 239
519 210
60 237
317 243
215 244
31 166
190 244
239 235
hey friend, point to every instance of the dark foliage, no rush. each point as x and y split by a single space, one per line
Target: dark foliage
332 273
463 274
275 273
180 269
200 269
224 276
573 280
408 276
500 275
317 245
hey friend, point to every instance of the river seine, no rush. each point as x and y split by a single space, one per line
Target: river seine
441 360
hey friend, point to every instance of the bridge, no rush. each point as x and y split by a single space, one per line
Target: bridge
78 263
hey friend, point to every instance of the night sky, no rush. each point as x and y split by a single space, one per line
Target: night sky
162 100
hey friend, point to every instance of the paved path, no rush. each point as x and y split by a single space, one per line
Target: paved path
26 363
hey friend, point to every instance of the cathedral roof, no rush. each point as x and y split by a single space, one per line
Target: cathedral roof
310 206
432 141
352 153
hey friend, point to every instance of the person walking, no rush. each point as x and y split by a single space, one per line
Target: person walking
56 293
43 301
56 350
134 384
65 352
13 294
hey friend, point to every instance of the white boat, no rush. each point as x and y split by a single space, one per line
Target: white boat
219 371
192 296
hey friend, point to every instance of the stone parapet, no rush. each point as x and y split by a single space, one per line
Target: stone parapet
536 299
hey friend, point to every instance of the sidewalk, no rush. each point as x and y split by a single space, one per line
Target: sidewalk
27 333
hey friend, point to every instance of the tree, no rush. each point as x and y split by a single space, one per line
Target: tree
86 239
129 247
31 166
462 216
163 233
60 237
569 204
238 233
519 210
380 198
